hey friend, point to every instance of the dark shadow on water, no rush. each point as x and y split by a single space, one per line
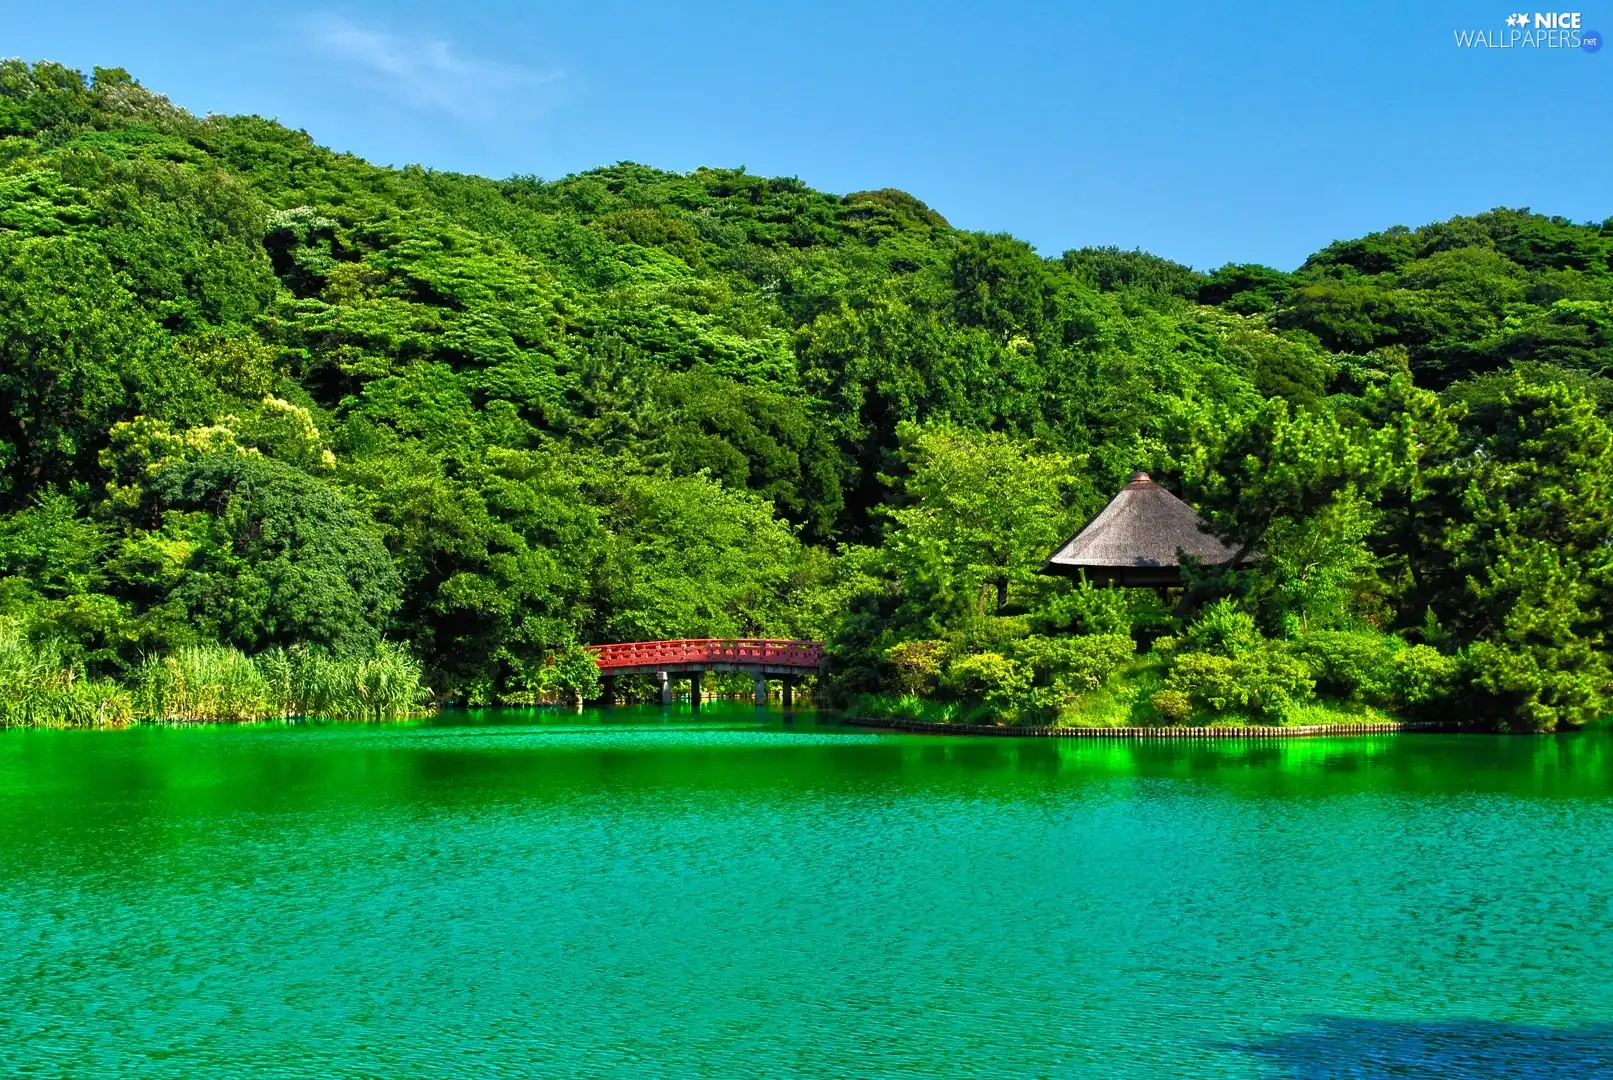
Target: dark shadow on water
1347 1048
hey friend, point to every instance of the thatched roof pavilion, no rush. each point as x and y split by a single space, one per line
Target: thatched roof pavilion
1135 540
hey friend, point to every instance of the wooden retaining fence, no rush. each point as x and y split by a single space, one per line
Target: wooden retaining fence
1248 732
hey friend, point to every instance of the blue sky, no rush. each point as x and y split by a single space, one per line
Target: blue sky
1205 133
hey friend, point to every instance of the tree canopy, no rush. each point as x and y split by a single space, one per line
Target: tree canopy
258 393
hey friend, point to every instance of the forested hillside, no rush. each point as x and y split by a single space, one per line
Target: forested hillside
261 395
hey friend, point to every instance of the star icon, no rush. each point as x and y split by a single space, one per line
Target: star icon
1523 18
1512 20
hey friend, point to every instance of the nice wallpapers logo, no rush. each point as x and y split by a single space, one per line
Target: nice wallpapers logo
1540 30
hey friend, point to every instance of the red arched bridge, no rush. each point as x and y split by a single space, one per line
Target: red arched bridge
763 658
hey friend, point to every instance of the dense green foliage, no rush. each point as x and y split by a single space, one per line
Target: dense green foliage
259 396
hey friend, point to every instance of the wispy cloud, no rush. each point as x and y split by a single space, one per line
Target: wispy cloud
430 73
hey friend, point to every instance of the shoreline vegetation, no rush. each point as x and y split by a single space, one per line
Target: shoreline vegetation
1173 731
1221 672
210 684
283 432
1111 713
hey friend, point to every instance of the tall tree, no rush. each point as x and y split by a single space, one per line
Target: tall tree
986 507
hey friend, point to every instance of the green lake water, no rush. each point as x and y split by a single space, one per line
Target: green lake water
639 894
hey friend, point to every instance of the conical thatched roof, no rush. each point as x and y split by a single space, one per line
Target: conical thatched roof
1135 539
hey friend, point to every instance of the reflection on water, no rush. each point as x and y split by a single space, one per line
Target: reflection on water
1337 1047
643 892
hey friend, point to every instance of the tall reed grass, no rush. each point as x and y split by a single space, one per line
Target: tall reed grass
383 684
40 688
201 683
217 683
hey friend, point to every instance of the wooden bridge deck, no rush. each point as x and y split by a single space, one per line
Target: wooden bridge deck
761 658
762 655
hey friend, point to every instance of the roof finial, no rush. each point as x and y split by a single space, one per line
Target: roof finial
1139 479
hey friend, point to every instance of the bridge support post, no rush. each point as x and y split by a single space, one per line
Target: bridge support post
789 692
666 687
761 690
607 690
694 691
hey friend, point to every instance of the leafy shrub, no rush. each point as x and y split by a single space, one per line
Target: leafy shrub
1222 629
1173 705
1081 663
1265 683
917 664
1356 664
990 678
1088 610
990 633
1536 689
1423 675
1207 679
1043 705
1379 669
1276 681
571 672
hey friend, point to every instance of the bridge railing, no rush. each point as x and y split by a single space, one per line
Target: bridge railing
709 651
